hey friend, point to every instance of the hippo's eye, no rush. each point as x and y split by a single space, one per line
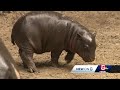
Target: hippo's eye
86 46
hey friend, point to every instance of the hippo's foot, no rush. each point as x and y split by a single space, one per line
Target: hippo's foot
32 69
54 64
30 66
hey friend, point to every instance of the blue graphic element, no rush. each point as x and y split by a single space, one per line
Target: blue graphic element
107 68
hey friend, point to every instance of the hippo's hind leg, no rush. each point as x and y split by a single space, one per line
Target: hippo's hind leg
27 58
24 64
54 57
69 56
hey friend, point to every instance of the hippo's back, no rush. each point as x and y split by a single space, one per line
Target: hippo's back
42 29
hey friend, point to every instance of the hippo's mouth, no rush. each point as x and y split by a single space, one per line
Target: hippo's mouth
86 59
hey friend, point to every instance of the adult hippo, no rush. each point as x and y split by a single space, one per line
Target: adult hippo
8 69
48 31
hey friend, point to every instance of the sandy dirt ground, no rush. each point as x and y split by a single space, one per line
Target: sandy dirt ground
105 23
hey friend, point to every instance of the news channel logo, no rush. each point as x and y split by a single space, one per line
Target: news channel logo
90 68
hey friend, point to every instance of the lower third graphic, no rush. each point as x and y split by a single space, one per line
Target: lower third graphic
95 68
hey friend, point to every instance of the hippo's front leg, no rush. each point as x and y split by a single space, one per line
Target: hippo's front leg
27 59
54 57
69 56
